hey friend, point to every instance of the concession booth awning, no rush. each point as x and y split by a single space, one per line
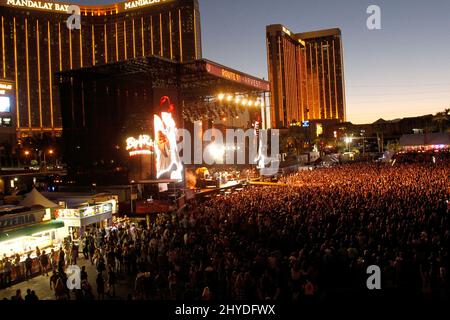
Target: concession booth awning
22 229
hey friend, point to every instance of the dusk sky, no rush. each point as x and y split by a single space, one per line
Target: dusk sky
401 70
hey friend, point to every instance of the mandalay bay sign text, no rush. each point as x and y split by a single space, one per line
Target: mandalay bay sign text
42 5
141 3
60 7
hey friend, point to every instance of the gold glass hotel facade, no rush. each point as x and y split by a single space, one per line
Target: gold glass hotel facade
306 74
36 43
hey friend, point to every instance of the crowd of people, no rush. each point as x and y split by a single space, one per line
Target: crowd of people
423 156
299 241
322 230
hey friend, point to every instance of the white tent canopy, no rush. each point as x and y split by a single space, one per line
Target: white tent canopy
35 198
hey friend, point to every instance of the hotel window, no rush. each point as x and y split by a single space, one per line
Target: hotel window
6 122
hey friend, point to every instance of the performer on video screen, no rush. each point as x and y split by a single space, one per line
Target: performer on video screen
168 162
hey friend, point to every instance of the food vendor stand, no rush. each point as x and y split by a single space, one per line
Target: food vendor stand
82 219
22 229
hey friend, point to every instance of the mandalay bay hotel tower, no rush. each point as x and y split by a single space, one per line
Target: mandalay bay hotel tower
306 74
36 43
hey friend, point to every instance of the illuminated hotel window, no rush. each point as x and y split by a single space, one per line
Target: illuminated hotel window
5 122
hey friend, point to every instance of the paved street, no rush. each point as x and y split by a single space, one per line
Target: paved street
41 285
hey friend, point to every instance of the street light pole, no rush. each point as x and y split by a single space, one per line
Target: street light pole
51 152
348 140
363 134
131 198
364 147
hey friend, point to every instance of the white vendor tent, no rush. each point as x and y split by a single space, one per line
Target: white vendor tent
35 198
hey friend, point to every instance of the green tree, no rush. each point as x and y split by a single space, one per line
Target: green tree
442 119
393 146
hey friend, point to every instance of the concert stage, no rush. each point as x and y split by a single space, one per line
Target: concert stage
230 186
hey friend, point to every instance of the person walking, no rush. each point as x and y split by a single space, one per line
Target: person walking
7 268
100 281
118 256
28 266
111 282
101 265
74 253
110 258
53 260
53 281
63 276
2 273
87 290
44 261
60 289
83 274
86 249
91 251
61 259
38 257
17 267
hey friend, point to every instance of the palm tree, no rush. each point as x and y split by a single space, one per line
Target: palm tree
442 118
